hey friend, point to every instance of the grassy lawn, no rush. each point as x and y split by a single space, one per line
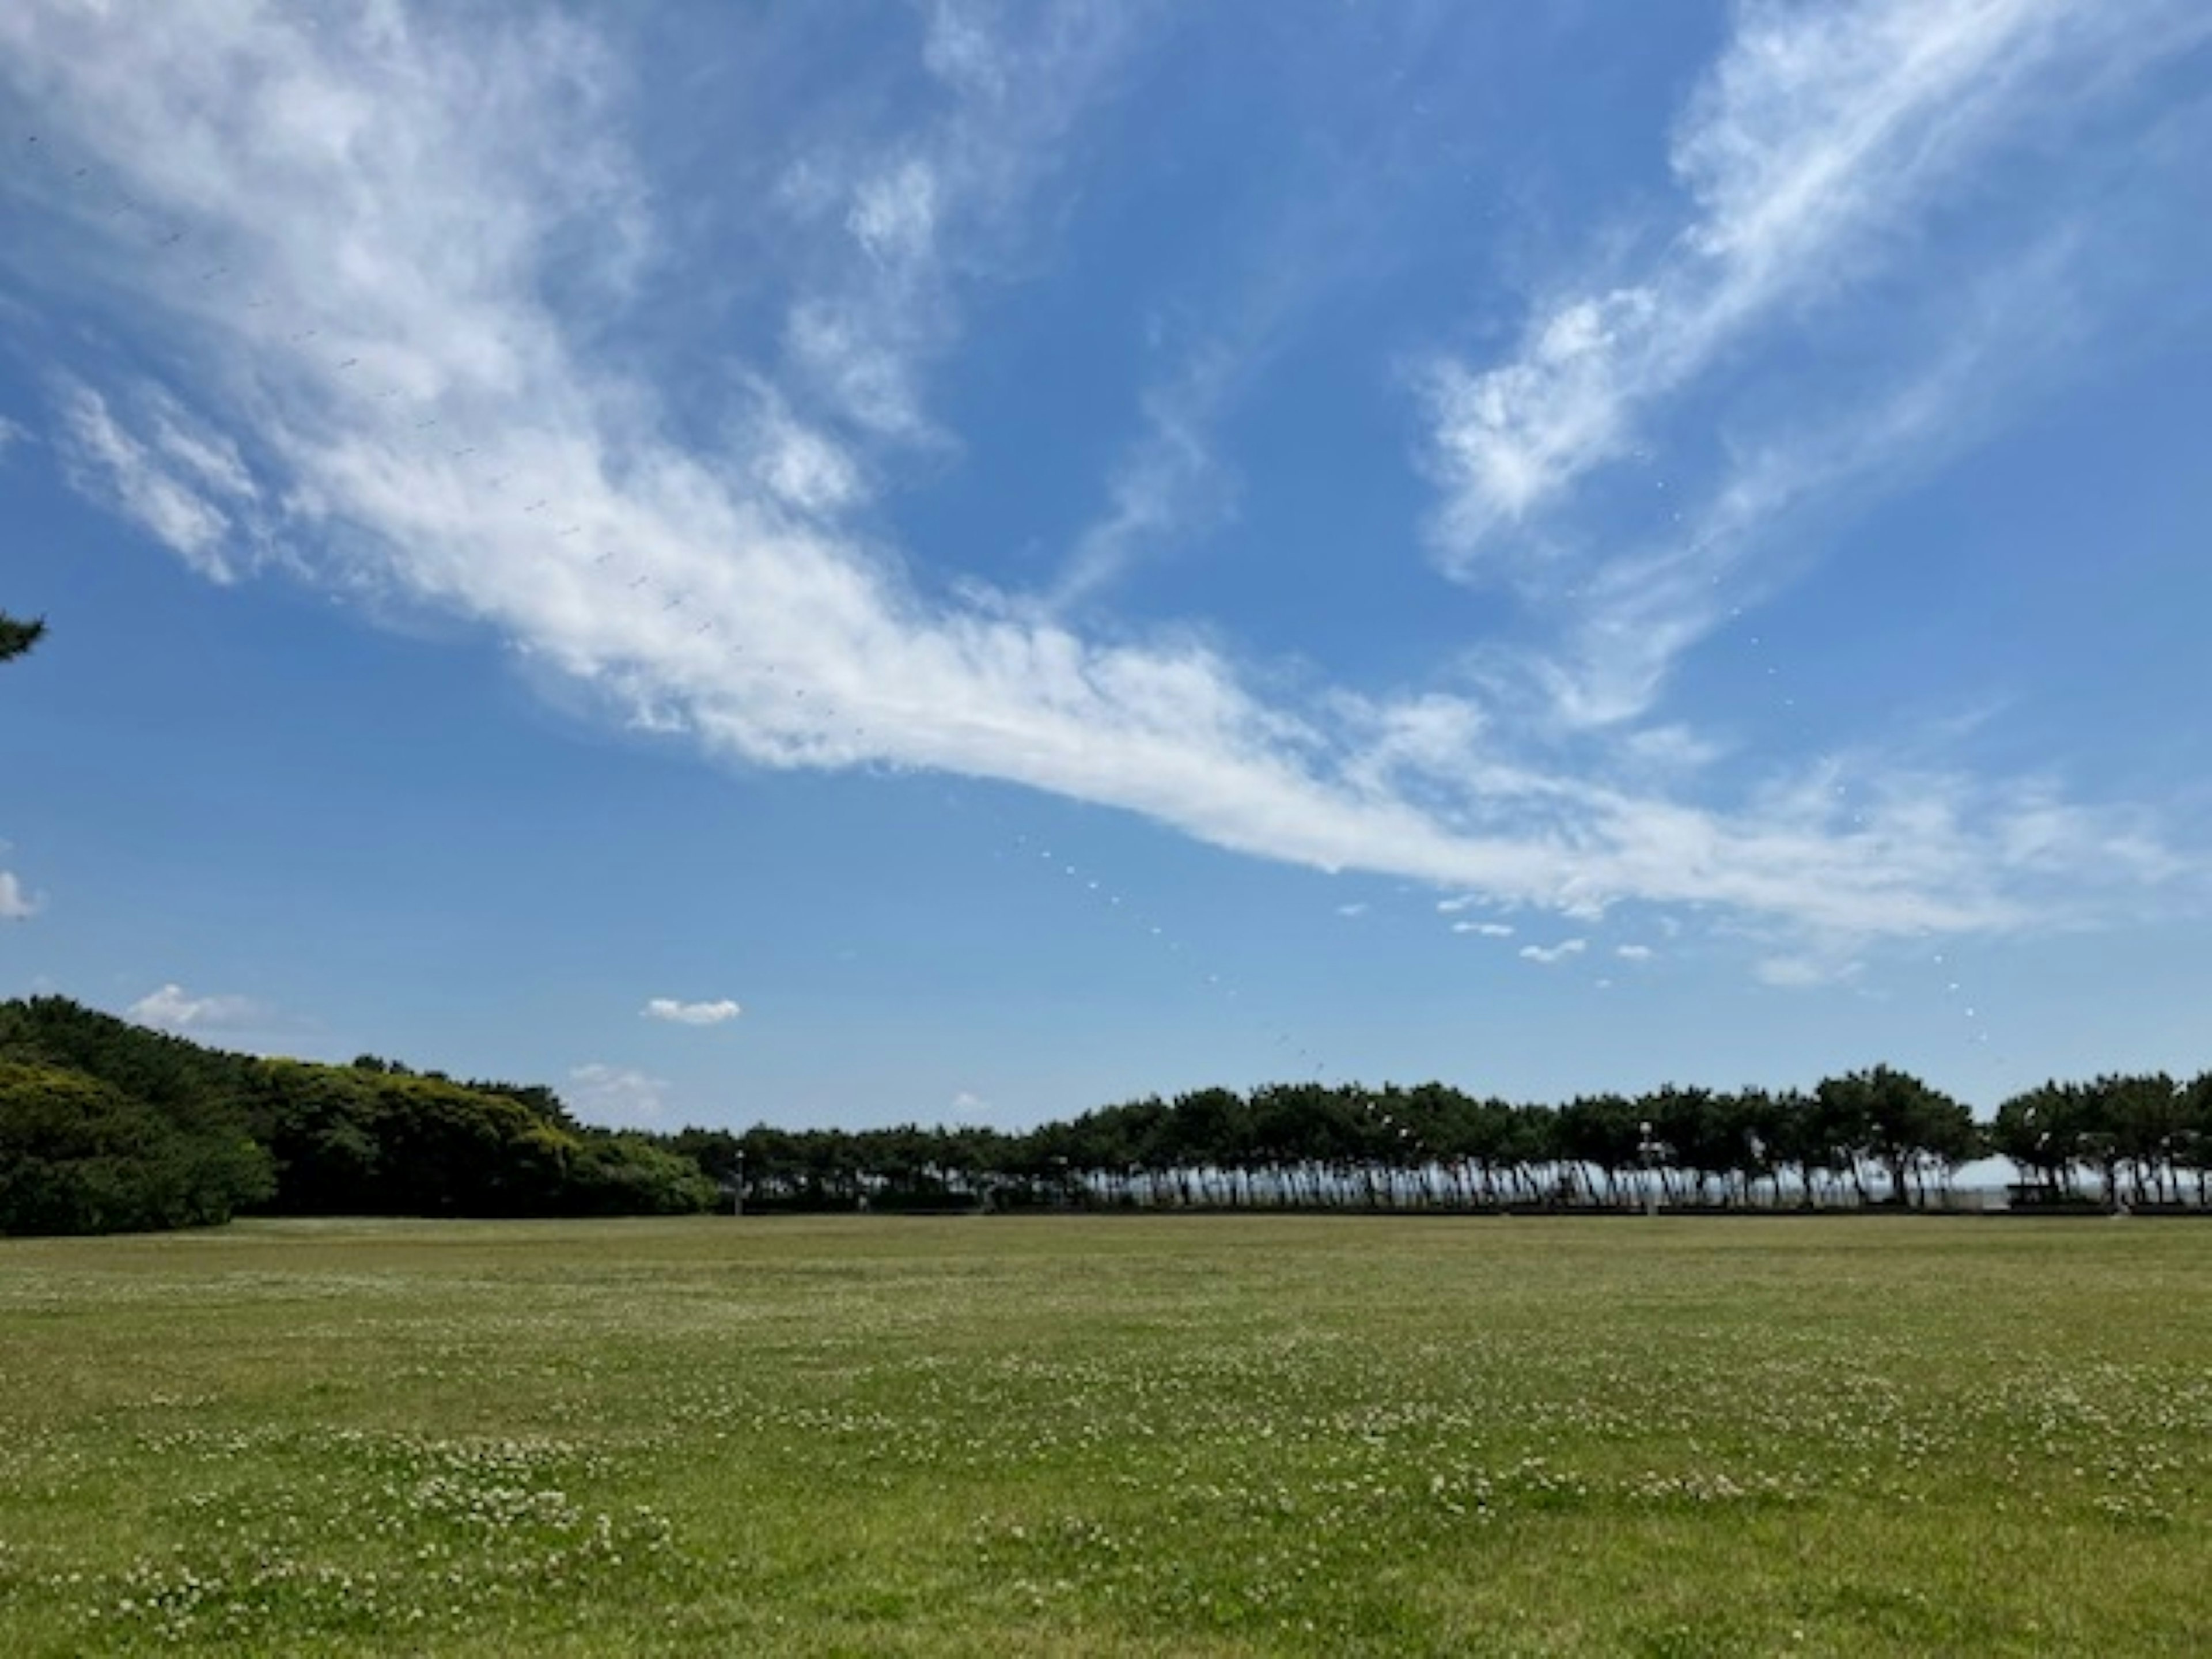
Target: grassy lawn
1071 1436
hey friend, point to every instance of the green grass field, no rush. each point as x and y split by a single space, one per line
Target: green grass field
1144 1434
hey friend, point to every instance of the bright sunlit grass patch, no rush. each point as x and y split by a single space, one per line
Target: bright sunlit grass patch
1110 1435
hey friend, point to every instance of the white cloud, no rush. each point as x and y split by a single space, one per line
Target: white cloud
1508 440
1548 954
427 424
692 1014
173 1009
866 378
1806 971
968 1101
11 433
1638 613
616 1097
894 214
1634 952
17 904
800 465
1167 486
1354 910
1484 929
1818 142
961 52
932 205
162 486
1820 133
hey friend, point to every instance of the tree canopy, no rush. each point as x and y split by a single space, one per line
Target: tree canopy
17 637
1866 1138
106 1126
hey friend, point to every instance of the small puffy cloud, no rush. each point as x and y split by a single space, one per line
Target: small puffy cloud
807 470
1484 929
1359 909
968 1101
1549 954
691 1013
174 1009
612 1095
16 904
1634 953
796 463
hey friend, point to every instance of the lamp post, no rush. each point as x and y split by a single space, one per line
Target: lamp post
738 1191
1647 1149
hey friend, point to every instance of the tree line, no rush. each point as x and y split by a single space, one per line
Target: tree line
1865 1138
108 1127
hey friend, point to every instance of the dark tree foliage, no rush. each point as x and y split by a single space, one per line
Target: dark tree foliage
17 637
105 1124
201 1091
1864 1139
630 1173
2140 1139
373 1138
78 1156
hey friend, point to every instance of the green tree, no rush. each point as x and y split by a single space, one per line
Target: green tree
2042 1131
80 1156
1604 1132
2193 1149
2148 1118
17 637
1902 1124
1694 1127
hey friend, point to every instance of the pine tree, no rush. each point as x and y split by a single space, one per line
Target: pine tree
17 637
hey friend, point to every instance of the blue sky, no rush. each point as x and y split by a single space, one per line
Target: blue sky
871 561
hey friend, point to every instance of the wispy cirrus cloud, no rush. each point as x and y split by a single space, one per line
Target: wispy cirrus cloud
1335 225
1821 136
382 370
902 225
1630 619
1167 485
180 485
